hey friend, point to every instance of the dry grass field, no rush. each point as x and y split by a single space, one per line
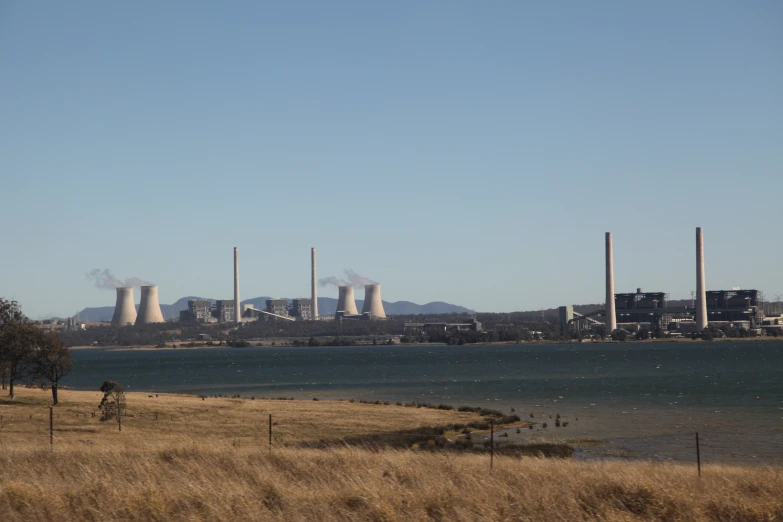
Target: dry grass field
209 460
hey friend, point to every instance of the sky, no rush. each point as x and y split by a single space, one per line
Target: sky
467 152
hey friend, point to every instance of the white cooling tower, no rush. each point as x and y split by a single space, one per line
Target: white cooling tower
149 308
345 301
372 301
125 309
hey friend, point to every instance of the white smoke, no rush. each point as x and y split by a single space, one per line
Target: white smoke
357 280
103 279
354 279
334 281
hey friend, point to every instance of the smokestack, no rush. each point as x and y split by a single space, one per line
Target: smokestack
149 307
611 316
313 290
125 309
372 301
701 292
345 301
237 311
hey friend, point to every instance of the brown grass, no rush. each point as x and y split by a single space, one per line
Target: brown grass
225 471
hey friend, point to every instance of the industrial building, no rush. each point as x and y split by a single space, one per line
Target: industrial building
416 328
199 311
277 307
302 309
225 310
652 311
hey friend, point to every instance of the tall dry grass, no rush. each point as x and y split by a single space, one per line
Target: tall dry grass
224 471
214 481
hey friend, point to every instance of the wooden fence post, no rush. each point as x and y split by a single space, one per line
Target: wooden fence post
270 431
491 444
698 454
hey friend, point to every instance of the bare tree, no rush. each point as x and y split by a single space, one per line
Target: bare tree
51 361
113 403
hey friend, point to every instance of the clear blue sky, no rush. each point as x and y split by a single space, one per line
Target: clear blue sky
469 152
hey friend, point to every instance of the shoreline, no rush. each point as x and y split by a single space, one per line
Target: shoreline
198 345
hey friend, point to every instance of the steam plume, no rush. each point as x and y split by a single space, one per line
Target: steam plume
354 279
357 280
105 280
331 280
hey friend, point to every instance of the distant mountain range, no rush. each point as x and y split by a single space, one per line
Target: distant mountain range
326 306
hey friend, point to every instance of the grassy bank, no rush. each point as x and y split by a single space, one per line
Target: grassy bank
209 460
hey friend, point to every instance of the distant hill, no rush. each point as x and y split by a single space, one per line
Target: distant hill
326 306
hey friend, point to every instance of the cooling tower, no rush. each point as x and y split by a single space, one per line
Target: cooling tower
345 301
701 294
125 309
611 316
372 301
313 291
149 308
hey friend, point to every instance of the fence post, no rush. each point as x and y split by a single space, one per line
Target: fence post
698 454
270 431
491 444
51 427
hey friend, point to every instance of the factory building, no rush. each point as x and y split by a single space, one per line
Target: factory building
643 307
225 311
417 328
199 311
652 311
735 305
302 309
277 307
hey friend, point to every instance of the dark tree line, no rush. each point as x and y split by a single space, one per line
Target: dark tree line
28 354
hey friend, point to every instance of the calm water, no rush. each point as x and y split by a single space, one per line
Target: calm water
645 399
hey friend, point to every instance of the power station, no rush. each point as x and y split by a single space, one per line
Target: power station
652 311
232 311
624 311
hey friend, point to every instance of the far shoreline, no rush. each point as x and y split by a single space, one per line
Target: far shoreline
284 343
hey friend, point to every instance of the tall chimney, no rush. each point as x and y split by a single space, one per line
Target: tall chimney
345 300
701 292
237 311
313 289
372 301
149 307
611 316
125 309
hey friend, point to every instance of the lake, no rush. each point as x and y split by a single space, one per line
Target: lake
642 399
